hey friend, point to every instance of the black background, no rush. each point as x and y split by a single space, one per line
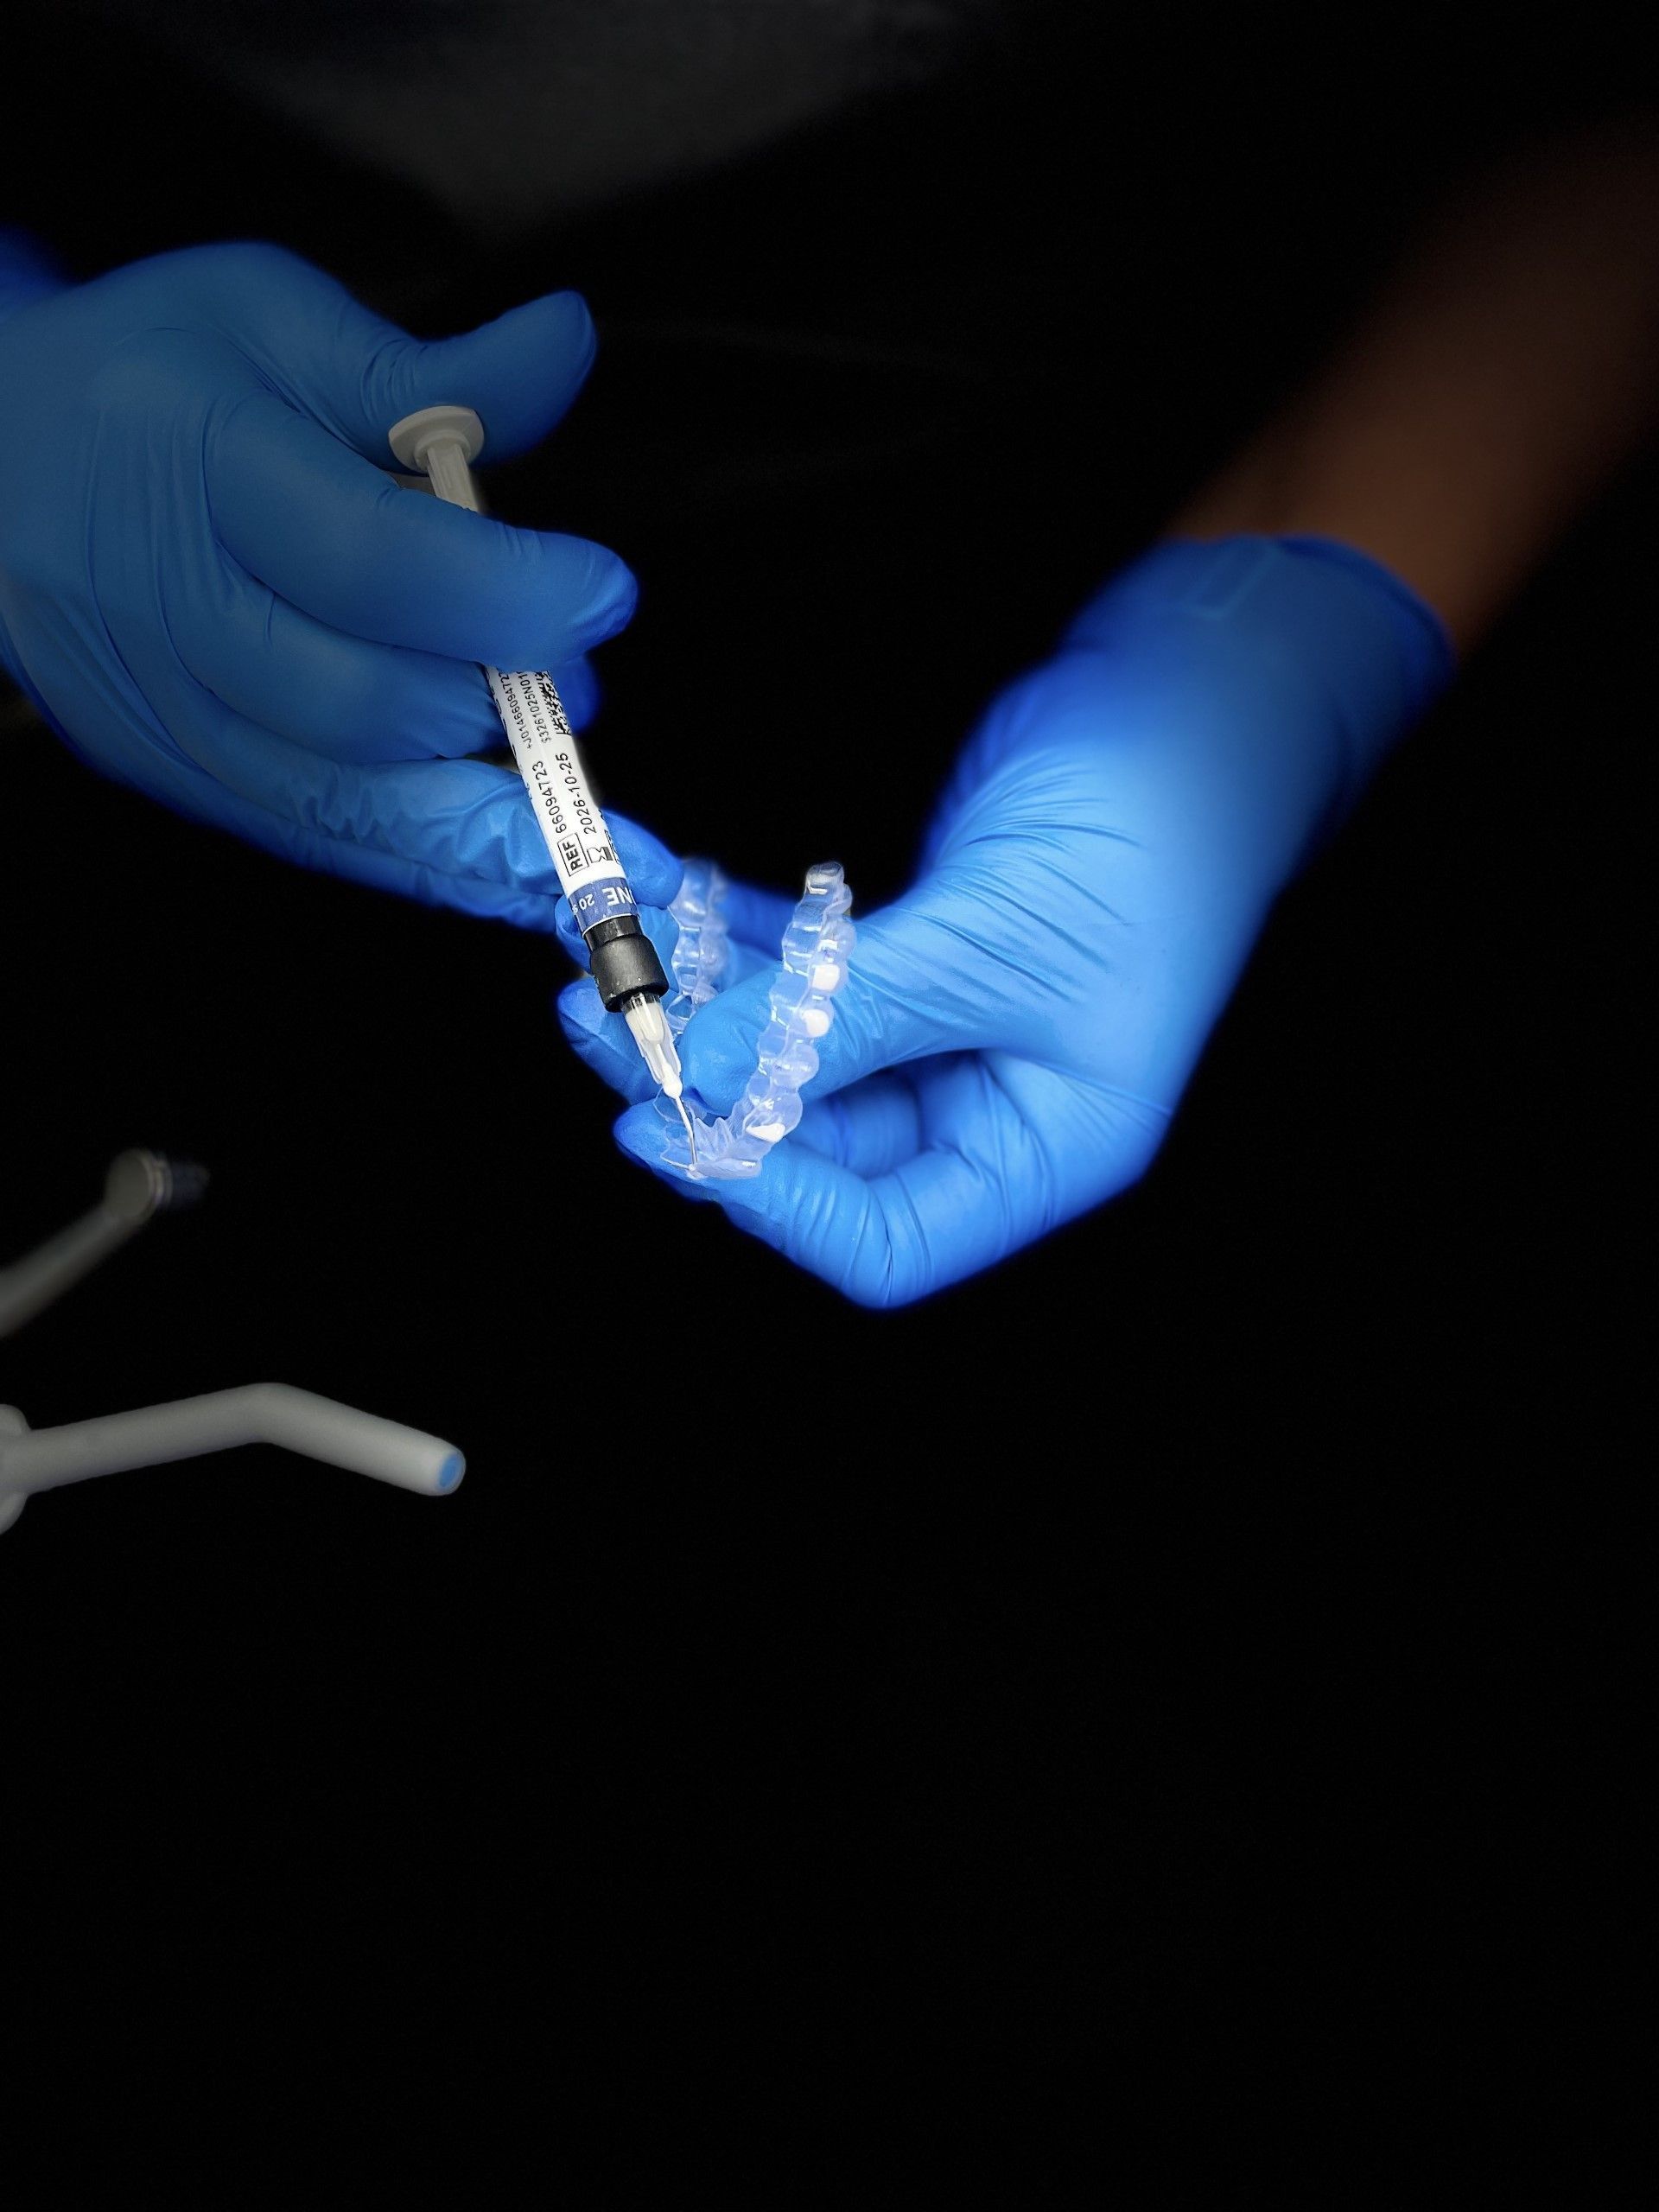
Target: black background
1222 1581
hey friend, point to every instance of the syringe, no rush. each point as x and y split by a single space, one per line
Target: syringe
440 443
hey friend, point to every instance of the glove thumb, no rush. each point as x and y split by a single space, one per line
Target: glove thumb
518 374
358 374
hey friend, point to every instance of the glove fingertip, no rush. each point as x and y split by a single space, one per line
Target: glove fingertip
643 1135
572 319
640 1133
525 367
581 1009
611 597
718 1048
579 691
653 871
601 1043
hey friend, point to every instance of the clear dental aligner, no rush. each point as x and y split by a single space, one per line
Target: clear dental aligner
817 945
704 941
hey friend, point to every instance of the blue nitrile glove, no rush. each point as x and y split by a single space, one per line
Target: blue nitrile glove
1015 1032
214 589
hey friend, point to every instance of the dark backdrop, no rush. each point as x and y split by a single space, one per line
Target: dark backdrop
1218 1581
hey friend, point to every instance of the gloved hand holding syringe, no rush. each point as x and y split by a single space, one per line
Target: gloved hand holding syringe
440 443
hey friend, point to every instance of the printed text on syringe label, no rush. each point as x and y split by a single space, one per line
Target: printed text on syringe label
594 903
573 828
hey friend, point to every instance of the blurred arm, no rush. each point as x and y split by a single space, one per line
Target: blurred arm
1503 376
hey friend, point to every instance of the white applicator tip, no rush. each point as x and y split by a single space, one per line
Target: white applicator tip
655 1039
690 1132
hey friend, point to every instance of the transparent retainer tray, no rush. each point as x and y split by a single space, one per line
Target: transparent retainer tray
817 945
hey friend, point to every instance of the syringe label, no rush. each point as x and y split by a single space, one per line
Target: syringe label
604 901
544 746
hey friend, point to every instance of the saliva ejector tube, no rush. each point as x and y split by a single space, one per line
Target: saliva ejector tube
440 443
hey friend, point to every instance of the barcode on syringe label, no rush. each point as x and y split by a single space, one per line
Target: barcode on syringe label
543 744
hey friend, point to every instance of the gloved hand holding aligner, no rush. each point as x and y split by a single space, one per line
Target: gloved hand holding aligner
1017 1029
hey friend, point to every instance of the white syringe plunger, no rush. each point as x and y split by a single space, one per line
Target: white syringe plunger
440 443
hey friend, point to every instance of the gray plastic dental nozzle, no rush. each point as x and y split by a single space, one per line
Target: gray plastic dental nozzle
139 1185
12 1425
262 1413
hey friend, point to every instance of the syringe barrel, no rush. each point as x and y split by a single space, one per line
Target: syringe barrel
623 960
444 441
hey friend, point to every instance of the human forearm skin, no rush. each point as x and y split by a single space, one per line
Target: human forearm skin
1501 377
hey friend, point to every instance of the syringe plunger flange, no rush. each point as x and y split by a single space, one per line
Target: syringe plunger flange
413 437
